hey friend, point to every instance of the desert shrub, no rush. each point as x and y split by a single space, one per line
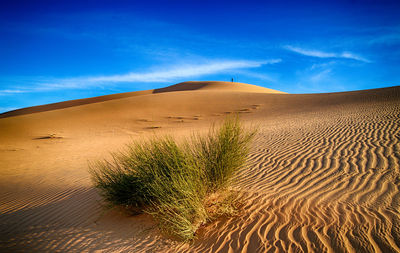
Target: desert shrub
119 185
222 151
171 181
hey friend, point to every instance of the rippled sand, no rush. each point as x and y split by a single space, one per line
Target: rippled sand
323 173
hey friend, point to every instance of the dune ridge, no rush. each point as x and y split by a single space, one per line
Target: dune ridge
184 86
216 86
323 173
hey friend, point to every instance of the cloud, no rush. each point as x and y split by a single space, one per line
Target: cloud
184 71
320 76
167 74
348 55
387 39
322 65
10 91
320 54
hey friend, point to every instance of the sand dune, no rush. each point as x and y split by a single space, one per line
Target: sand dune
323 173
185 86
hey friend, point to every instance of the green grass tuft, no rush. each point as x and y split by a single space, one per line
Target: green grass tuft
223 151
171 181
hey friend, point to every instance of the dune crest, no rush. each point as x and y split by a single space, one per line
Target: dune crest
185 86
216 86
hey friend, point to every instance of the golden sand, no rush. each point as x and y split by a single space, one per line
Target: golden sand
323 173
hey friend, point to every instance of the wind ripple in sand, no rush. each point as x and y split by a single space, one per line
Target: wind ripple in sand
332 185
323 175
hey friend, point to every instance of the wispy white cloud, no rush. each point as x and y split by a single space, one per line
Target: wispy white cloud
321 54
168 74
349 55
322 65
387 39
183 71
320 75
318 80
10 91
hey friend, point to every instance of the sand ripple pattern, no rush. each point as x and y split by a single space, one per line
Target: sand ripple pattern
331 185
323 176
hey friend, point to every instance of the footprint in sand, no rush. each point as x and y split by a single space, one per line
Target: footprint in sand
50 136
245 110
152 127
144 120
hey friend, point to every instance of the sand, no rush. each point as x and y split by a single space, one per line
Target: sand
323 173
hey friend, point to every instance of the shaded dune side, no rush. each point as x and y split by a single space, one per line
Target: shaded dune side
54 209
69 224
71 103
328 182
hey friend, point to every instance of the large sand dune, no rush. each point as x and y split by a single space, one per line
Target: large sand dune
323 173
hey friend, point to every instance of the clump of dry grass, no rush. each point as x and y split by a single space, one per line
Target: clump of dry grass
222 151
174 182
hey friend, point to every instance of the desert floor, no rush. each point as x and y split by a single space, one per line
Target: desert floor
323 173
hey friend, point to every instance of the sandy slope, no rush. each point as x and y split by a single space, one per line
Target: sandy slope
323 173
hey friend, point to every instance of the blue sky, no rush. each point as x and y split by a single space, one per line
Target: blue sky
52 51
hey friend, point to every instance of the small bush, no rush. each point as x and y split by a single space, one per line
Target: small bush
222 151
171 181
